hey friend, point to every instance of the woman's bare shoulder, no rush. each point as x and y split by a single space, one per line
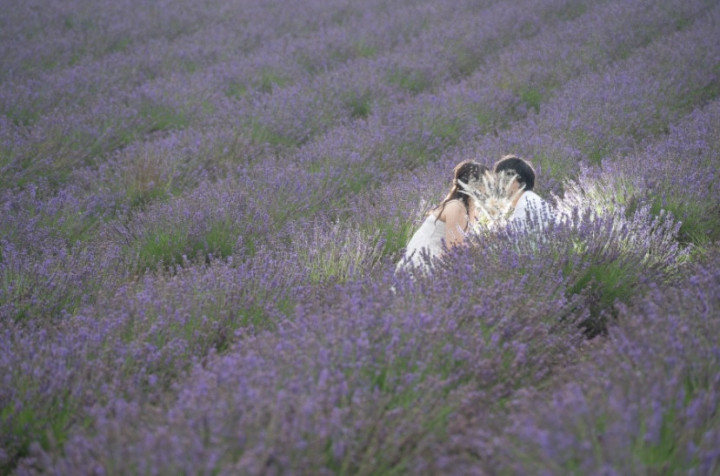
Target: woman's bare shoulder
455 205
452 207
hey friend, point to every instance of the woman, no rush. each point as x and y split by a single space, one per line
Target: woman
445 225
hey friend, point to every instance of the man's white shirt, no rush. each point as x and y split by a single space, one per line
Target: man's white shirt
531 211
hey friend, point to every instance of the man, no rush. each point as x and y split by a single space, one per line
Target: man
530 211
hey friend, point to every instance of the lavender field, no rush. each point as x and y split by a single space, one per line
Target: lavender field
202 204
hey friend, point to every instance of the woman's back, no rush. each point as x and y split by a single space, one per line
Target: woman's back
443 227
429 237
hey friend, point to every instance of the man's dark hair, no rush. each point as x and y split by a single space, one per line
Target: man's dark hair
523 169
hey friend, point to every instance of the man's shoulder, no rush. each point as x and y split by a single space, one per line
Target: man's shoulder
532 200
529 199
532 197
531 203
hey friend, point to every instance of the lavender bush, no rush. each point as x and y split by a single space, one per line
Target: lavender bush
202 205
364 383
651 402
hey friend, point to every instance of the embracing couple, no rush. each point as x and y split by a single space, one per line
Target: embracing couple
478 195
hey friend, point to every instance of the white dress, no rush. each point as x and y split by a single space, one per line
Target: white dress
427 240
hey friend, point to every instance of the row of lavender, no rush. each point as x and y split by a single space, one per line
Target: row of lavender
137 349
368 152
151 237
142 173
229 92
454 374
145 171
272 122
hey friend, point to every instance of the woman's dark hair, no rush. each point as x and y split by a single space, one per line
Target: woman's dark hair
464 172
522 168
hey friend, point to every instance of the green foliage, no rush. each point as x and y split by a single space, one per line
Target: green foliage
358 181
486 120
700 95
80 22
17 288
465 61
414 154
268 80
394 235
532 98
572 11
169 246
700 220
419 151
30 292
262 134
77 227
253 316
336 253
162 247
603 284
449 130
364 49
360 104
682 22
139 198
219 240
118 45
26 425
23 117
412 80
595 149
235 89
19 431
189 66
162 117
663 455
